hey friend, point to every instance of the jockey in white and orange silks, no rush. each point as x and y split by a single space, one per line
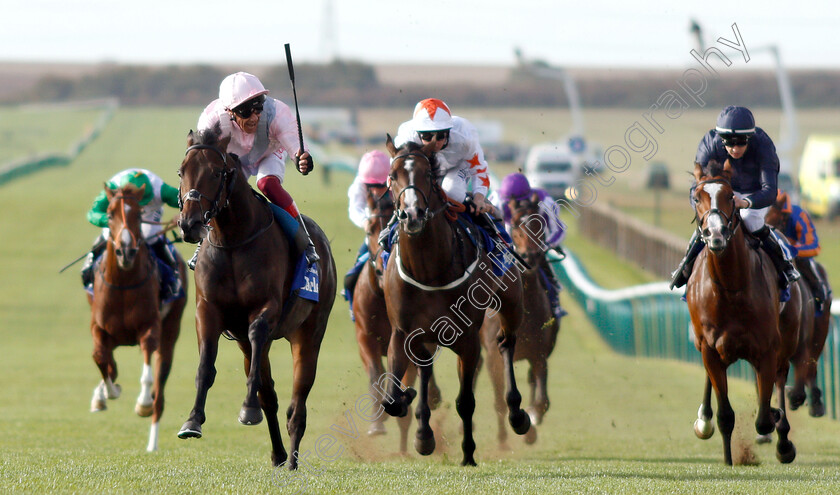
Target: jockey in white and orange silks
263 133
459 155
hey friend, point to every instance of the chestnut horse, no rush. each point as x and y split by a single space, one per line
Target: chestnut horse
438 285
733 300
243 278
813 330
125 309
538 334
373 330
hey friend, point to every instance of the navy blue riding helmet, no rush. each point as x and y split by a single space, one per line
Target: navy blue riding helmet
735 121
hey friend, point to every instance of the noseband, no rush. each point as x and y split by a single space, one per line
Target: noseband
732 222
228 179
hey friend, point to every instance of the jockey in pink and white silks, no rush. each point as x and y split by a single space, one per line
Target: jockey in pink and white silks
459 155
371 179
263 133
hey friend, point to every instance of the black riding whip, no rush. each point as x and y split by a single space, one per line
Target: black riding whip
297 113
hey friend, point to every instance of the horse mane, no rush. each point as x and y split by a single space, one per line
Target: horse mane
714 168
209 136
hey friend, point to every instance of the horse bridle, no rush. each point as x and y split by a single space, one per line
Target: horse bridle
135 244
228 179
732 221
400 213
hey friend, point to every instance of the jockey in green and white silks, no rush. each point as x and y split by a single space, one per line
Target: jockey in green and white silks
157 193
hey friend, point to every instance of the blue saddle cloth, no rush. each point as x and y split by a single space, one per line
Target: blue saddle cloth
305 282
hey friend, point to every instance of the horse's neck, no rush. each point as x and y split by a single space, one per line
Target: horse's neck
429 255
733 267
240 217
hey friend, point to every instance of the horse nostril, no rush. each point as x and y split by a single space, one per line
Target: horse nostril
707 232
402 215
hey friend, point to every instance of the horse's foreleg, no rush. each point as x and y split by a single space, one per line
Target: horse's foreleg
270 406
517 417
766 377
103 356
208 346
716 371
396 400
496 370
403 422
465 402
258 332
162 367
539 395
424 440
703 426
785 451
305 362
149 344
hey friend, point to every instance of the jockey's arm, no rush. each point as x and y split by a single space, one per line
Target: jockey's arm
169 195
98 213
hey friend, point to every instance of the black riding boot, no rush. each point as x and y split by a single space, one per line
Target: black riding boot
95 251
683 272
787 272
807 268
304 244
191 263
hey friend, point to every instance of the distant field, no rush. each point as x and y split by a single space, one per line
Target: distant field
617 424
28 131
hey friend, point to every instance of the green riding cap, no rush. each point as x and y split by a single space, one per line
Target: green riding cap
98 215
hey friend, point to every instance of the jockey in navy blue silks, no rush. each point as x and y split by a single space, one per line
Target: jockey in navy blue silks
755 170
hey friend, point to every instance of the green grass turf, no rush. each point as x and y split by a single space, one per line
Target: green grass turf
617 424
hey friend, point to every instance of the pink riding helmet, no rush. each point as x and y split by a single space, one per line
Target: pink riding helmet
515 186
374 167
238 88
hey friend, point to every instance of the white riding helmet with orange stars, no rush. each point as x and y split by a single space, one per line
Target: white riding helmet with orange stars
432 114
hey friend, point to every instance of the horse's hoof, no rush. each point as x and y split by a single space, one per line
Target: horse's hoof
250 415
535 417
191 429
703 429
376 429
531 436
795 398
98 405
468 462
785 452
817 410
520 422
424 445
144 411
762 439
115 393
278 460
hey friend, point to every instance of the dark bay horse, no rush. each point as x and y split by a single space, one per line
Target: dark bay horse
243 278
125 309
537 335
733 300
373 329
813 329
437 288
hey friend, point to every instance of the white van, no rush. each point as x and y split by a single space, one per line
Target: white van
819 176
554 167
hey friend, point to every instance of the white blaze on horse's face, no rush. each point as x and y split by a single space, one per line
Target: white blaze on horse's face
715 230
412 213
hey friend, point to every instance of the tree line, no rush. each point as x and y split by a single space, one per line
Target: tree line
349 83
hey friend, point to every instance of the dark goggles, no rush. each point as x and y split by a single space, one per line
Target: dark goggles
251 106
731 140
427 136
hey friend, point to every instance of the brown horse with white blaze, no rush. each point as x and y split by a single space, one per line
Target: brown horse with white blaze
437 288
244 275
733 300
126 310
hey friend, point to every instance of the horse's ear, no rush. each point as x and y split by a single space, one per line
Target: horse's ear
698 172
535 198
727 170
190 138
512 204
109 193
223 144
140 191
389 145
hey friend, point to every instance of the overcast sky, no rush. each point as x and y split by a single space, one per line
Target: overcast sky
640 33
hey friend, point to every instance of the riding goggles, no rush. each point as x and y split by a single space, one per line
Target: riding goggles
734 140
249 107
427 136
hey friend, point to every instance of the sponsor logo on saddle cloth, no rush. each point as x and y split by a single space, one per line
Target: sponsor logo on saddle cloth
305 283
